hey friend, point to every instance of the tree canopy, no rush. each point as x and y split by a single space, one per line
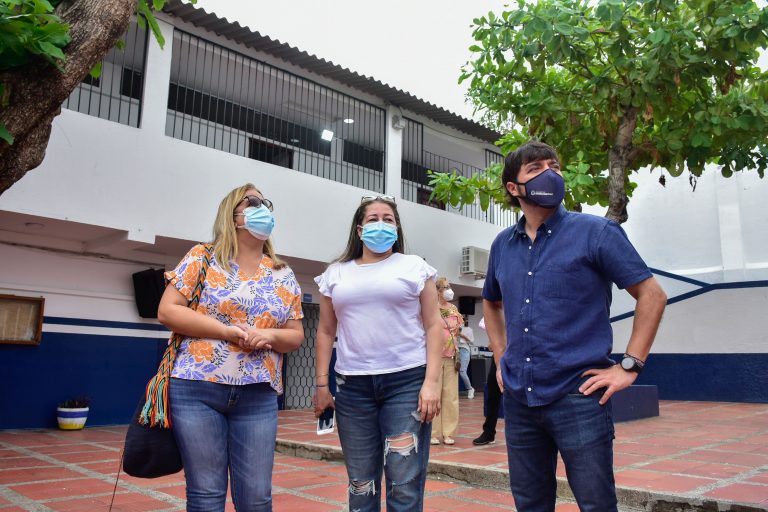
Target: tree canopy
618 85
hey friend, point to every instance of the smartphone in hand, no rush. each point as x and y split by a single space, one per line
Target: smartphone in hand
326 421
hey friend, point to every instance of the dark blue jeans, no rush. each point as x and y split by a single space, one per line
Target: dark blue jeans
380 432
577 426
221 430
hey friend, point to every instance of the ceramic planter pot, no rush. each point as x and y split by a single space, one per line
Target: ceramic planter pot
71 418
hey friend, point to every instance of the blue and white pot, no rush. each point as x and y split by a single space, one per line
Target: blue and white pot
71 418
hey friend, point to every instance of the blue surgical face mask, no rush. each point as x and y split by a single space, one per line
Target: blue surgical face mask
258 221
546 190
379 237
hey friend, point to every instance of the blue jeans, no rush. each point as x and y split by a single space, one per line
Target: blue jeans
380 431
221 430
582 430
464 360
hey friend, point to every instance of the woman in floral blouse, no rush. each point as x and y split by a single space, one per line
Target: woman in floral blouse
227 373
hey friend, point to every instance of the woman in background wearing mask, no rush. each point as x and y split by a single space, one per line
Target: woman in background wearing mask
445 426
227 373
382 304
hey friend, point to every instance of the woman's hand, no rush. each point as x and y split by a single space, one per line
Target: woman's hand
258 339
429 400
322 399
234 334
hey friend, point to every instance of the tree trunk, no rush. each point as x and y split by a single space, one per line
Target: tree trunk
37 90
618 163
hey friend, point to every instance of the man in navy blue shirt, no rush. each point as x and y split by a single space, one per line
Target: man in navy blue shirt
549 283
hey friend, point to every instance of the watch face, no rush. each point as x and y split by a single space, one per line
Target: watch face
627 363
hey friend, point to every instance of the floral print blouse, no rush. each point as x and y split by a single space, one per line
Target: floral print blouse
452 323
265 300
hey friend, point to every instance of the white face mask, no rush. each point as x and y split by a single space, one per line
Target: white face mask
448 294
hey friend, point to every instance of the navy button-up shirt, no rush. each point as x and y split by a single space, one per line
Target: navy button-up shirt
556 293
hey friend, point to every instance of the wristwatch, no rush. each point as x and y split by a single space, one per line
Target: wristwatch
632 364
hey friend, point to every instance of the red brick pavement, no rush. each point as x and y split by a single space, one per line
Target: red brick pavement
700 450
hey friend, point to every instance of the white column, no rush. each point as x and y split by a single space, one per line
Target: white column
157 77
731 238
392 184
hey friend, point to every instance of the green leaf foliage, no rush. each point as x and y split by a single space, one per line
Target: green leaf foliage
29 29
680 76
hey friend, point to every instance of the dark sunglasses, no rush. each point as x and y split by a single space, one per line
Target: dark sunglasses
389 199
256 201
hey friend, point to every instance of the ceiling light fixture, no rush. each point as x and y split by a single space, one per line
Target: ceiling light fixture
349 120
327 135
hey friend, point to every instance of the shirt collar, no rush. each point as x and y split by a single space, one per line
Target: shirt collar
519 230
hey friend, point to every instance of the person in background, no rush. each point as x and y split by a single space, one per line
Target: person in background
444 427
492 401
466 337
382 304
227 373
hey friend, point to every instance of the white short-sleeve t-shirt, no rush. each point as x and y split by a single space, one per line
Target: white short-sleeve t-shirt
377 307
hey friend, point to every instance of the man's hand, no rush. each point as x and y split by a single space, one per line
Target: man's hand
613 379
499 379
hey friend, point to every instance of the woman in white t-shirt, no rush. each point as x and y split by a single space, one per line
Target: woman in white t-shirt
382 306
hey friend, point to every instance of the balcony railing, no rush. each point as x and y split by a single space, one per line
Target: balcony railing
225 100
116 93
415 180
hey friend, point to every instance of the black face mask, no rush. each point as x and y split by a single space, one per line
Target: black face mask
546 190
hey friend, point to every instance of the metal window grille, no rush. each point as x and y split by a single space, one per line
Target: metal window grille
116 94
299 371
415 180
225 100
492 157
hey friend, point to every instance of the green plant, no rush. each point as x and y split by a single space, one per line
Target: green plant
76 403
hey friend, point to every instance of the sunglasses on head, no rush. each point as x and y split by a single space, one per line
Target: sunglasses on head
389 199
256 201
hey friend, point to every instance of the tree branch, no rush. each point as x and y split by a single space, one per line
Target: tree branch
37 90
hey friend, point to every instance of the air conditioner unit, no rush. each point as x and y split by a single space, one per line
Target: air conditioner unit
474 261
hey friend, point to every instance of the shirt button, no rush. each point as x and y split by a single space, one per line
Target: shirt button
527 301
529 247
530 389
549 231
526 329
528 359
530 273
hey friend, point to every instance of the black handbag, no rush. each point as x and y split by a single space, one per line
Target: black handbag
150 449
150 452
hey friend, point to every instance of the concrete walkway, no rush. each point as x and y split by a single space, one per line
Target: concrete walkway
696 456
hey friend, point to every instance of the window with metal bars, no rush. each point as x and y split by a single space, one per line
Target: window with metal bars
415 180
223 99
116 93
492 157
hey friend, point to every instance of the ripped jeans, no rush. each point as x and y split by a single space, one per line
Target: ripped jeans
379 432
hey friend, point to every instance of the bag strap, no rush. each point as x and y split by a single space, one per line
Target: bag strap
156 412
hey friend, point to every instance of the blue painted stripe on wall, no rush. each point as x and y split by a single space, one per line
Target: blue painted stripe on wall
700 291
111 370
677 277
103 323
707 377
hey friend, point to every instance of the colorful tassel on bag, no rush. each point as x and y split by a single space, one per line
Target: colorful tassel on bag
156 412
